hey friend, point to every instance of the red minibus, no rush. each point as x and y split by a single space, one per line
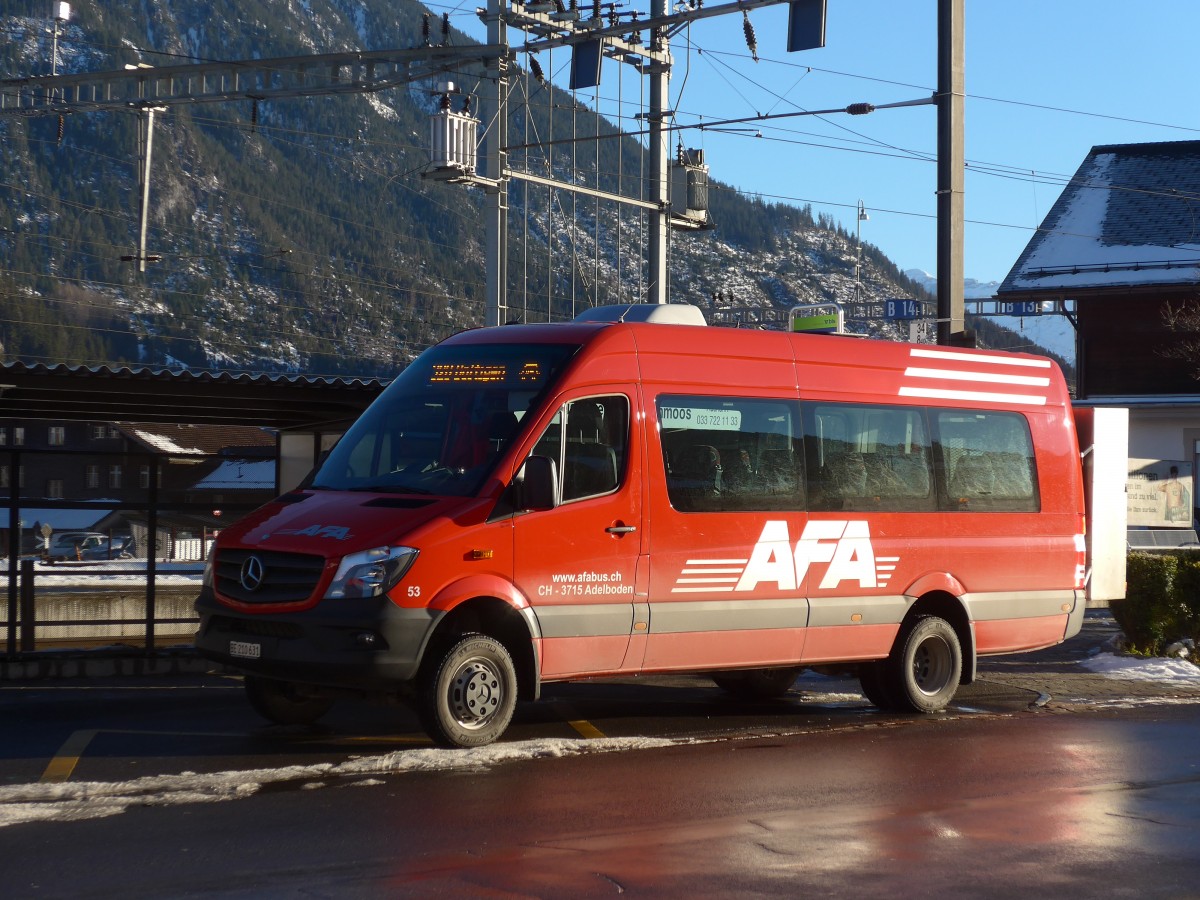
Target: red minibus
538 503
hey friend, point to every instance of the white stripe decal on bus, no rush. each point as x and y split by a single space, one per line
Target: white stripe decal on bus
987 377
981 396
958 356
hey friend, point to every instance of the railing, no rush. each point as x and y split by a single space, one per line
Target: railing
83 611
139 604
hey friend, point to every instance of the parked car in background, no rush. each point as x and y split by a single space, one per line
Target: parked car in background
101 548
66 544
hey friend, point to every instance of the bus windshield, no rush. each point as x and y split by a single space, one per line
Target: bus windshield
440 427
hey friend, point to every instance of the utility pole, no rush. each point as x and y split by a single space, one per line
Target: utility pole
660 75
495 112
951 164
145 153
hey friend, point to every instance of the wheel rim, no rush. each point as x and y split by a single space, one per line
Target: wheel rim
932 665
476 693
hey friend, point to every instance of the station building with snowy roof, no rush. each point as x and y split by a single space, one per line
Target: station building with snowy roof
1121 247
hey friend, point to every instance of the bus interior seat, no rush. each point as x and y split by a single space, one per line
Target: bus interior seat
591 463
974 476
845 477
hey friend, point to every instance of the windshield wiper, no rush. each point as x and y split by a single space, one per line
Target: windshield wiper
387 489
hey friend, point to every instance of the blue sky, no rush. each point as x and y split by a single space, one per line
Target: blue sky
1046 80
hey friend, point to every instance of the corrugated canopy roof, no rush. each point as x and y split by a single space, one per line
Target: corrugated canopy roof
104 394
1129 219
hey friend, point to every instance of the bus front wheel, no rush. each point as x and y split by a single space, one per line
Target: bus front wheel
925 667
468 698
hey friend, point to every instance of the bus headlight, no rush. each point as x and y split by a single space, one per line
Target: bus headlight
370 573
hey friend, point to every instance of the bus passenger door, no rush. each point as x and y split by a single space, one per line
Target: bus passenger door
578 563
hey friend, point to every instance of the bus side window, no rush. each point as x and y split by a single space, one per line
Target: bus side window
987 462
869 457
731 454
590 449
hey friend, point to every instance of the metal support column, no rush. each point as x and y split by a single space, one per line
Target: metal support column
660 78
495 164
950 165
145 152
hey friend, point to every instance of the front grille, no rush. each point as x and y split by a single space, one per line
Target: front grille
286 577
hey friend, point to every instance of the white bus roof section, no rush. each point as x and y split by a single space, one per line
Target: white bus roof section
656 313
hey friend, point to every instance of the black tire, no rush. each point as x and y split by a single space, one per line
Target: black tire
285 703
758 684
925 666
468 698
873 677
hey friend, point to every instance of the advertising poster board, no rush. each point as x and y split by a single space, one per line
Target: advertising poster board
1160 493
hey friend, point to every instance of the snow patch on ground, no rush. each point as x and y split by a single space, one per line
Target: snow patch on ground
72 801
1137 669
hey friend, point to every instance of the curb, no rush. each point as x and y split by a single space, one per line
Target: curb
103 663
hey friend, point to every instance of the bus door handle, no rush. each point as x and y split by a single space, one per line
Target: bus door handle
621 529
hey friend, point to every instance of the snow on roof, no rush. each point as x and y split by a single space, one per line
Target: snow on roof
162 443
198 439
1127 218
63 519
240 474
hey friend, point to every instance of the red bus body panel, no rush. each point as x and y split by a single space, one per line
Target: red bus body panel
599 601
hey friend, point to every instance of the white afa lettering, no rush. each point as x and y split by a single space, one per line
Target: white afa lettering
844 545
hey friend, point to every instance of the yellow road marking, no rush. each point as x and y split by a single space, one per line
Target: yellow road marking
583 726
64 762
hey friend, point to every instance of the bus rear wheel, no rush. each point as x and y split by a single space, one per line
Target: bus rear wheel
468 698
925 667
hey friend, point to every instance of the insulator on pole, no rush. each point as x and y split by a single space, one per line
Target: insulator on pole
860 109
425 29
535 69
445 29
751 41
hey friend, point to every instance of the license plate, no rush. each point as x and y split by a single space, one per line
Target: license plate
245 649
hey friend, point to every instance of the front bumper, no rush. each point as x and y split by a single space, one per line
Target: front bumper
363 644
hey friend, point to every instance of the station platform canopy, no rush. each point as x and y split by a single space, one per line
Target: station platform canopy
107 394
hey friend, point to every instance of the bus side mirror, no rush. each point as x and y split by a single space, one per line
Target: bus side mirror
537 484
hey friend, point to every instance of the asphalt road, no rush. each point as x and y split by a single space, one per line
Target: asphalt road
814 795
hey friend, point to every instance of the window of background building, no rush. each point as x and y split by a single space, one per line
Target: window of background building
144 477
56 436
54 489
114 476
3 437
99 432
18 436
93 476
